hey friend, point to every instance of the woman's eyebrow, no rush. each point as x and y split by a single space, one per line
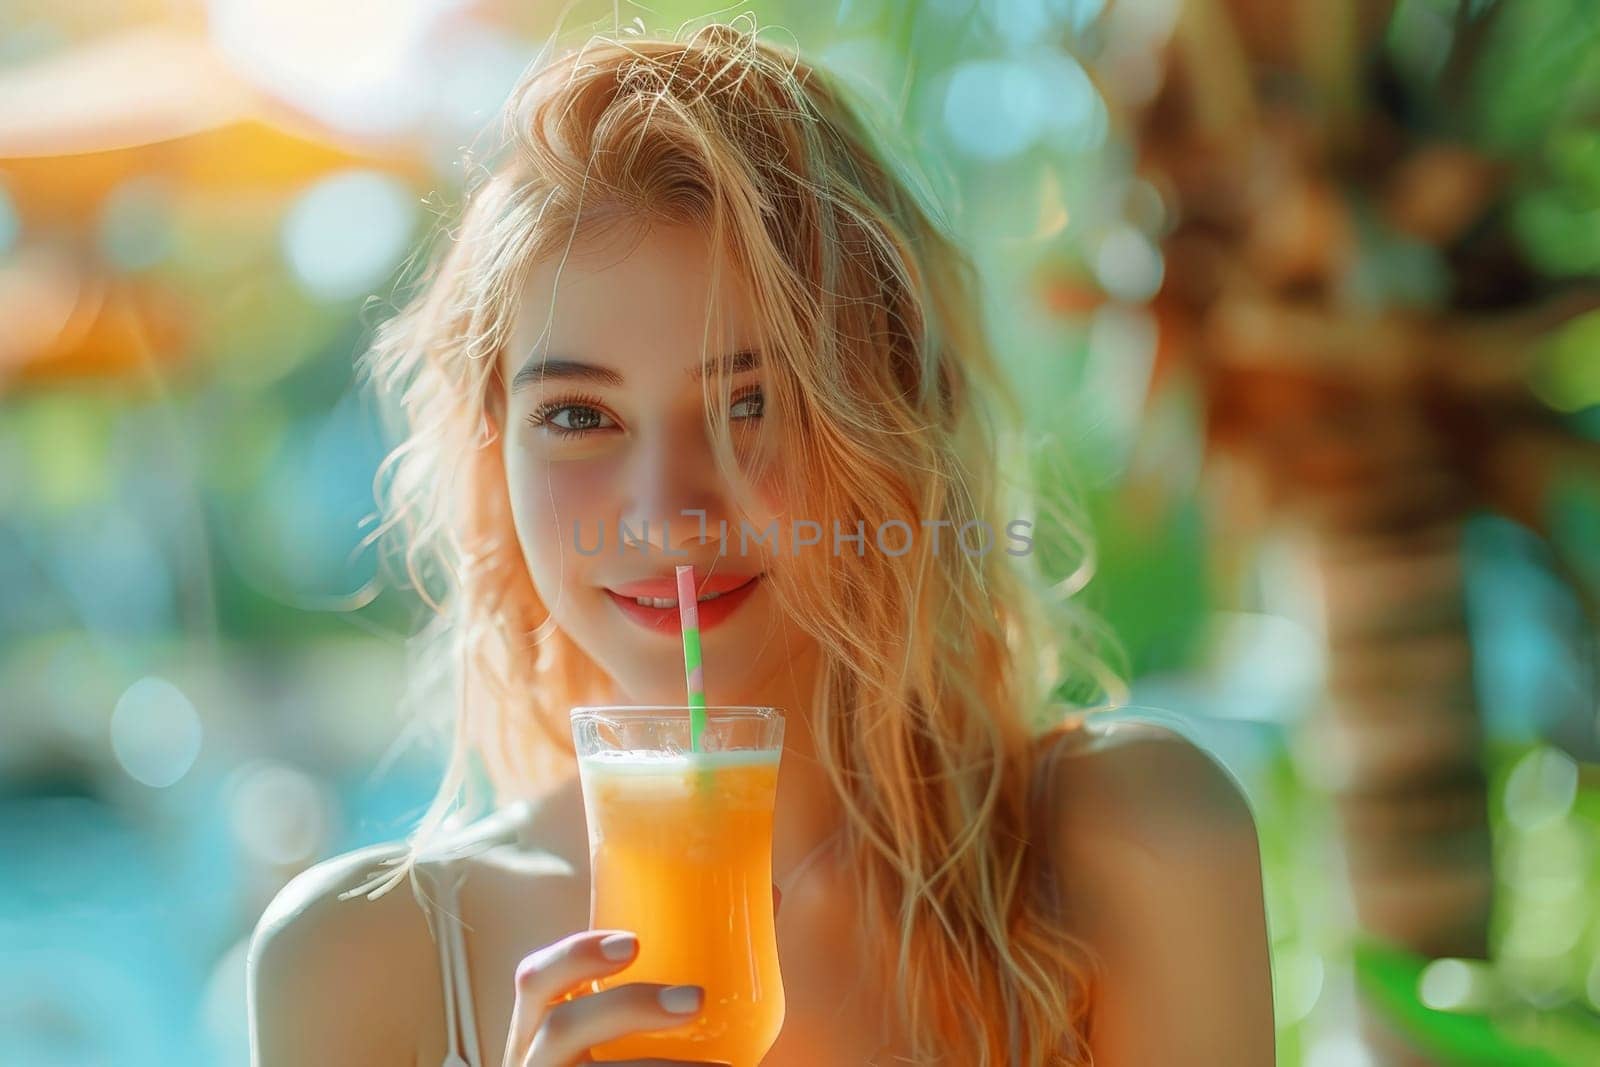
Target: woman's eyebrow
538 370
746 359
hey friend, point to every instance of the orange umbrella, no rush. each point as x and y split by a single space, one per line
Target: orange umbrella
153 102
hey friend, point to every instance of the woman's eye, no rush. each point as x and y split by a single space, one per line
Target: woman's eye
749 406
571 419
577 417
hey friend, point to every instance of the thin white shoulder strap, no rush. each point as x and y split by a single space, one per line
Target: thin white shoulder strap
460 1018
442 907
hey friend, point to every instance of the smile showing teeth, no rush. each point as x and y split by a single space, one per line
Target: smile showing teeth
670 602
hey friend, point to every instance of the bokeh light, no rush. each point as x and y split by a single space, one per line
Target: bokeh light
1541 789
1019 22
344 234
279 814
155 732
1339 1050
1298 977
1128 264
1074 120
136 224
993 108
1454 985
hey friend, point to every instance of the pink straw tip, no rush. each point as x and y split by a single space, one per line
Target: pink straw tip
688 605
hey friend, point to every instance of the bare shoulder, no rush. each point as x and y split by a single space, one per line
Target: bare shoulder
334 973
323 893
1156 857
1139 787
340 974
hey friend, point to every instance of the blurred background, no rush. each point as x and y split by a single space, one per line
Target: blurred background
1305 297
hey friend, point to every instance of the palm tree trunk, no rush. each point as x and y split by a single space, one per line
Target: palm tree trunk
1349 448
1405 738
1400 735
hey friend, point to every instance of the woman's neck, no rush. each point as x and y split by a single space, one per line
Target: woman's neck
808 810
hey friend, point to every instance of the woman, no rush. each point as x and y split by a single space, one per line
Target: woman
694 300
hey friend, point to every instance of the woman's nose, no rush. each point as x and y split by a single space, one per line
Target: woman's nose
672 496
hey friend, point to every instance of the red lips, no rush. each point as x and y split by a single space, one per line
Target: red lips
668 586
734 590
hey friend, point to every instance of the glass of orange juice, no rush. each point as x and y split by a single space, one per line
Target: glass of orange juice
680 853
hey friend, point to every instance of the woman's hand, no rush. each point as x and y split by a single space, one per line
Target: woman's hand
549 1031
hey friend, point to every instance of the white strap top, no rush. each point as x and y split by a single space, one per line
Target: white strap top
437 887
444 918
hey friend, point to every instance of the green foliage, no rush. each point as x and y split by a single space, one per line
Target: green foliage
1389 977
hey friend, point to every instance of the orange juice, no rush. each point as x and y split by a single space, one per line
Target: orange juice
680 852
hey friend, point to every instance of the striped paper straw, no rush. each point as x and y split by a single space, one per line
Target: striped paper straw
694 671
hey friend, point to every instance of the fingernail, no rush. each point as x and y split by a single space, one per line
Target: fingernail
681 999
618 946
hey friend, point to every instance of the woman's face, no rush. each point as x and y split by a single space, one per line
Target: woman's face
606 436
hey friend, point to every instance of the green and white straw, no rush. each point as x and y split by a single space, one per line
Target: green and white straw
693 669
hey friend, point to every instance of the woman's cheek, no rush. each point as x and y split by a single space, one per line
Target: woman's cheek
772 503
575 493
771 475
554 501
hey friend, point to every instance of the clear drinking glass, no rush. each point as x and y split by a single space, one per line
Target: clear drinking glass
680 853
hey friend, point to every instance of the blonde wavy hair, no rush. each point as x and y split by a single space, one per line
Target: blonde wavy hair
938 669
